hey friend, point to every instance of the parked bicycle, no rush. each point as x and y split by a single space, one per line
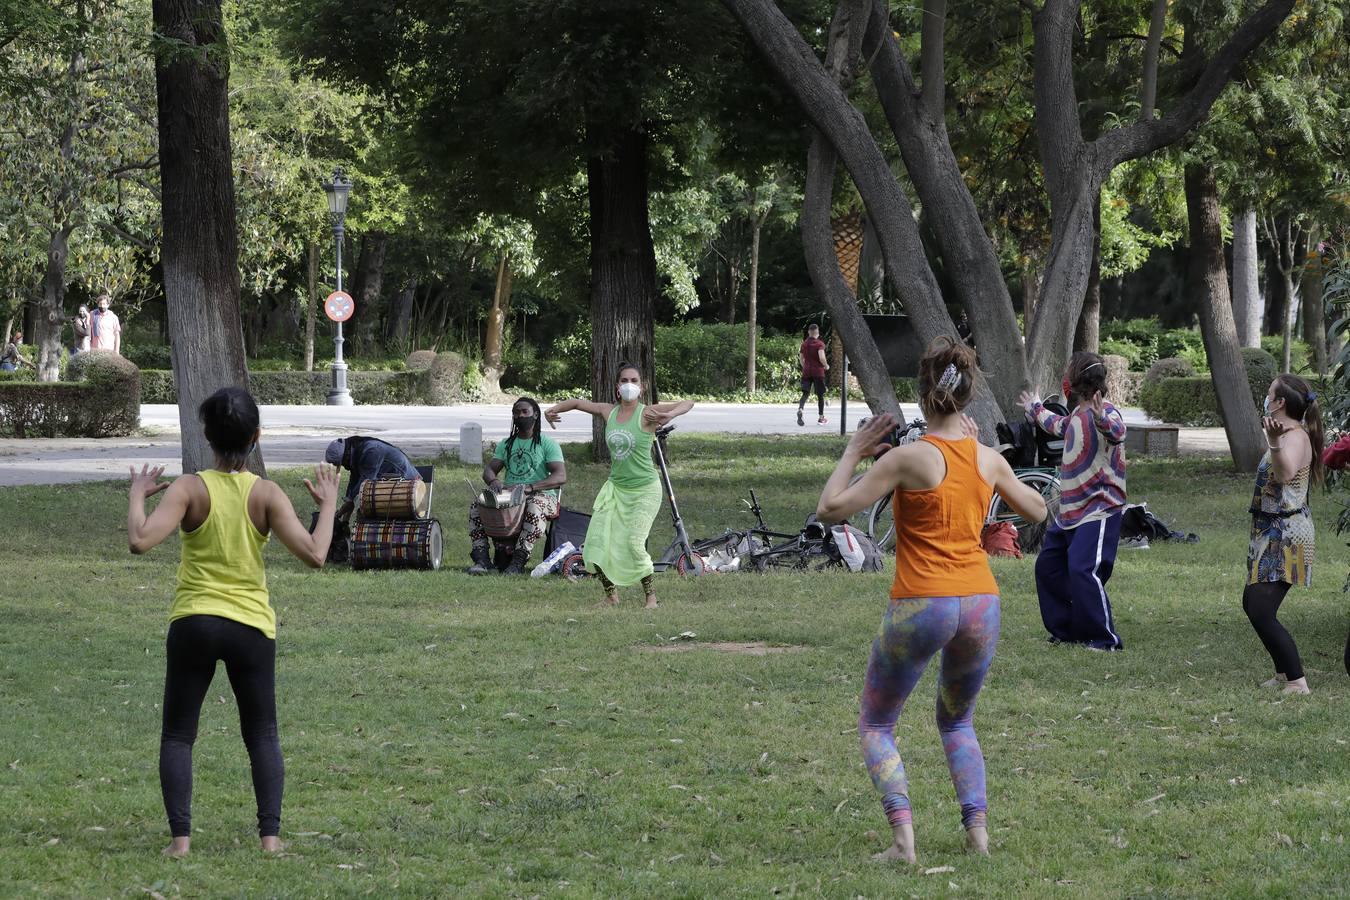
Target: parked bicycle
765 550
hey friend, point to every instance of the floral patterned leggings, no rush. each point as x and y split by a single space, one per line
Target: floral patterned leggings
539 508
965 629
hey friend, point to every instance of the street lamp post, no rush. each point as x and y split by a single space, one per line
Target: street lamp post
337 191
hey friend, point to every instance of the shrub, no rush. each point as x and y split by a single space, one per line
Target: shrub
1181 401
1261 371
158 386
1170 367
1274 345
111 403
420 360
1185 343
1120 387
1133 354
906 389
445 379
37 409
148 356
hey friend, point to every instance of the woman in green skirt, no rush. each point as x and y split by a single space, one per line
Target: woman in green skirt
616 541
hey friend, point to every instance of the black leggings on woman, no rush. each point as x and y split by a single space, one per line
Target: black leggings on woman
1261 602
194 646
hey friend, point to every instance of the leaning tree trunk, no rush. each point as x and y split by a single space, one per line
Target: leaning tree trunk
312 293
1088 334
200 250
1247 306
495 339
623 266
1314 311
752 319
53 313
1209 283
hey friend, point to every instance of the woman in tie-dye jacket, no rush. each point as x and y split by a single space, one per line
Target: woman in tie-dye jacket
1080 546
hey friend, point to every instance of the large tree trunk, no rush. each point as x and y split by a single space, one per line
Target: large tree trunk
312 293
1247 306
1209 283
1088 335
53 312
752 319
623 266
401 314
30 318
200 248
495 339
368 285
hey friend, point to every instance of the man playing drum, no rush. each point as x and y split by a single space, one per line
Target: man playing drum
531 459
367 458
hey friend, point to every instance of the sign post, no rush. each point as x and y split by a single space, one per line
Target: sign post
339 307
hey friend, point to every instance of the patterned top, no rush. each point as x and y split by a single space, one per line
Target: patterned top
1092 472
1277 500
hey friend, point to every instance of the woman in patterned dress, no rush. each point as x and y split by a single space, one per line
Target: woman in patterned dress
1280 553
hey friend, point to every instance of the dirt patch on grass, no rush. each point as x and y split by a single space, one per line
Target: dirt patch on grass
744 648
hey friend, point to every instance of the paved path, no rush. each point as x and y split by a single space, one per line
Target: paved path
297 435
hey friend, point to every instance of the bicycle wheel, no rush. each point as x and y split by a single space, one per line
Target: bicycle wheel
1029 534
881 524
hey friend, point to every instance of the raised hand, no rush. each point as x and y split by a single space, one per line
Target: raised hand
969 428
870 439
1274 430
1025 399
324 487
1098 404
655 417
553 416
145 483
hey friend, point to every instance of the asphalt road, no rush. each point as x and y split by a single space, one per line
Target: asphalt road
297 435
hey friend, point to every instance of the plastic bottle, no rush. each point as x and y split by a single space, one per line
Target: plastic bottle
553 560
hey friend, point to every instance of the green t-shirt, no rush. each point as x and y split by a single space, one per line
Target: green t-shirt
630 450
528 461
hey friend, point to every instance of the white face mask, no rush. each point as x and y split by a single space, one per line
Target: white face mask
629 391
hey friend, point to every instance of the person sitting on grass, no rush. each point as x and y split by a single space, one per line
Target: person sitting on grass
13 357
534 460
616 539
221 609
944 597
367 458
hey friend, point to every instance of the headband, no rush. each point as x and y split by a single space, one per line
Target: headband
950 379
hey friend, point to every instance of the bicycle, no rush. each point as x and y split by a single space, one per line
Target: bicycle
810 549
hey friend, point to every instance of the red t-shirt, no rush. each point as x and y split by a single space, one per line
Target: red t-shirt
811 365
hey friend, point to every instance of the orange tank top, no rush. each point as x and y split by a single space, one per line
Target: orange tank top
937 531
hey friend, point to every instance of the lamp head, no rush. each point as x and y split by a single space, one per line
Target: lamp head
337 191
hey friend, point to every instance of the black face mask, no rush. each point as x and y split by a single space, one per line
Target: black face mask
525 423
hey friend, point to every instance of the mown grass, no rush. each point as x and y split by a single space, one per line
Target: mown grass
491 737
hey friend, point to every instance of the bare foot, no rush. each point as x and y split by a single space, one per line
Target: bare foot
272 844
651 602
902 848
1297 686
1278 681
608 600
977 840
178 848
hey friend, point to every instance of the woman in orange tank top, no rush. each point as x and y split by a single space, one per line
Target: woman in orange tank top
944 597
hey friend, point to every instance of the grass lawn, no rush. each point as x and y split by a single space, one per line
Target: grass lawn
503 737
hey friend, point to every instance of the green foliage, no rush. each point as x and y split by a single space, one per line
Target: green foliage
1171 367
1181 401
368 388
711 359
149 355
1133 354
102 400
1299 351
1186 344
1261 371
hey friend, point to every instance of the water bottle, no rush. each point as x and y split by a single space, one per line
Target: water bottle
553 560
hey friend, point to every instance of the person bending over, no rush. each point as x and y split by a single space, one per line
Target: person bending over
366 458
944 597
221 609
530 458
616 539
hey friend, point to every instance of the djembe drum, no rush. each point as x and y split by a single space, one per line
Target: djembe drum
394 498
409 544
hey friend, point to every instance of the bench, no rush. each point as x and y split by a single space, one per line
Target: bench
1151 440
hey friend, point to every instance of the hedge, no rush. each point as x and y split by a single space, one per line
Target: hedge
438 384
1192 401
106 403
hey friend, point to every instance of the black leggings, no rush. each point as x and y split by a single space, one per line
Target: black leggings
818 384
609 585
1261 602
194 645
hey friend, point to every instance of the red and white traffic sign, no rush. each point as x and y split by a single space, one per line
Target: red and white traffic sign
339 306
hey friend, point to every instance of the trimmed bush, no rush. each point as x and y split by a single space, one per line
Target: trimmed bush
906 389
158 386
444 380
305 388
1133 354
1181 401
1261 371
1171 367
106 403
420 360
148 356
1121 388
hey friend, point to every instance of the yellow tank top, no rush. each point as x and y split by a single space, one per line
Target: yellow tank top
221 573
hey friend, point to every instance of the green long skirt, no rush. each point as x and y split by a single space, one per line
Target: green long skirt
616 540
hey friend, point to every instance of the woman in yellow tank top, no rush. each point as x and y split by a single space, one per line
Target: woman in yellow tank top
944 597
221 610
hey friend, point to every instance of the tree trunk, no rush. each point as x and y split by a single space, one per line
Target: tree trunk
495 339
1247 306
1031 292
200 246
1209 283
312 307
623 265
30 317
52 316
1148 91
1088 334
368 282
1276 301
1290 317
752 319
400 316
1314 312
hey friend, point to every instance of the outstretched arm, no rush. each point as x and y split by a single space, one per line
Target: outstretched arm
1025 500
554 413
1048 421
144 533
839 499
658 414
311 549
